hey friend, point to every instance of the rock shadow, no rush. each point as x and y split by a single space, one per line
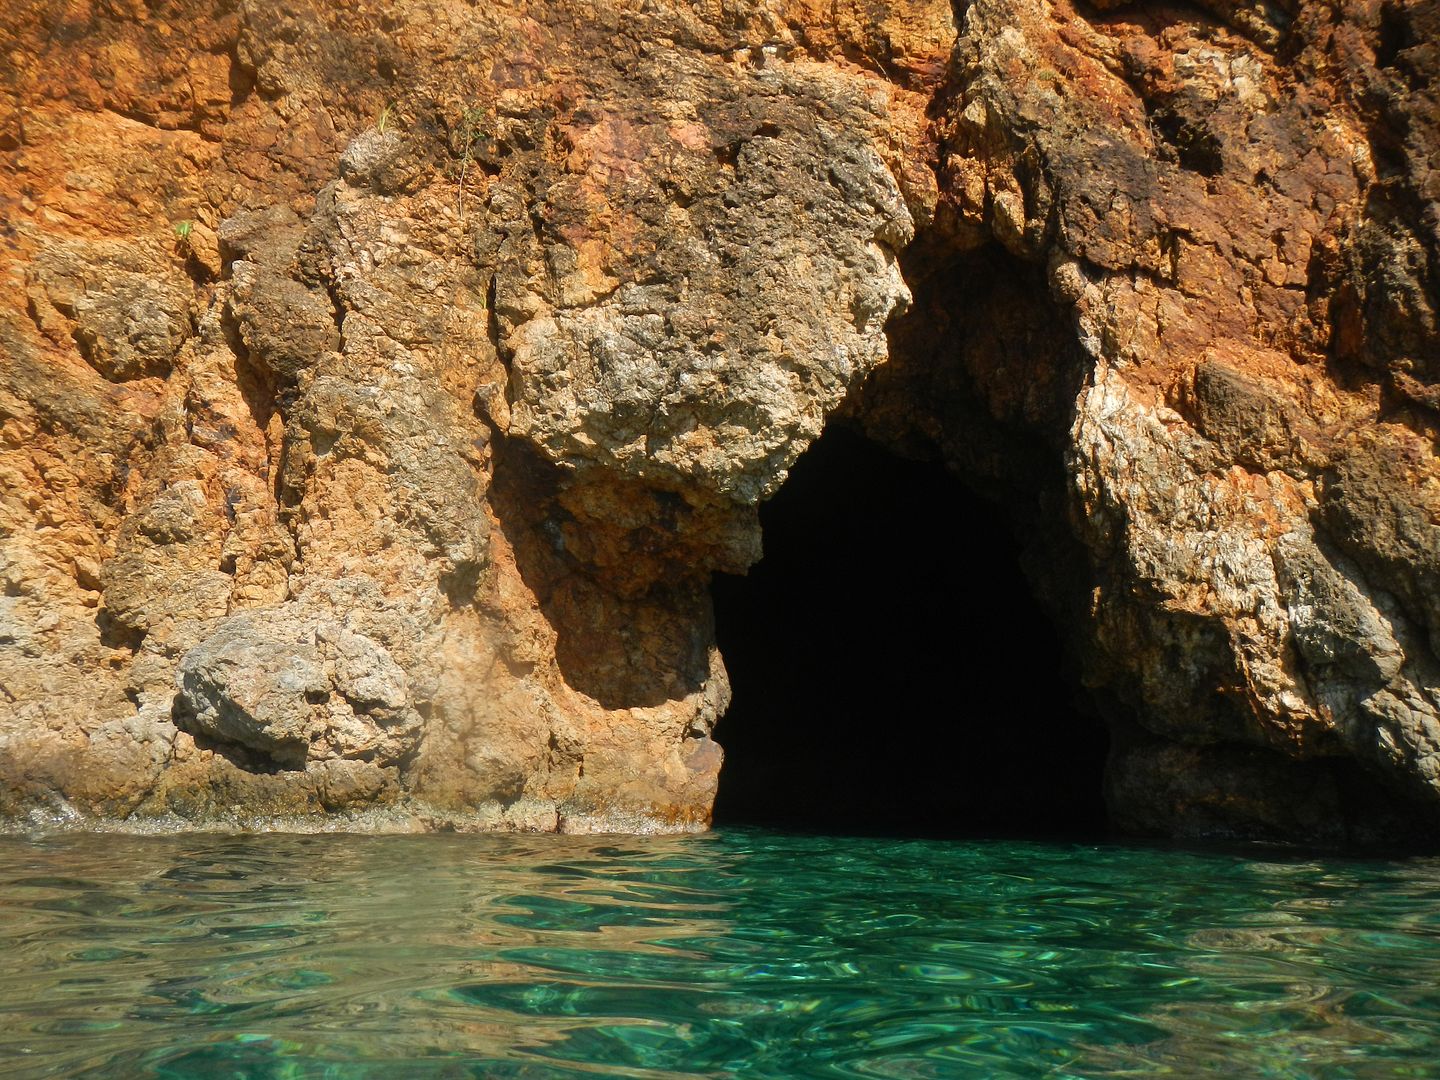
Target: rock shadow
635 646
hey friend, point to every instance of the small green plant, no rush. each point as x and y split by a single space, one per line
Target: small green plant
469 133
183 231
383 119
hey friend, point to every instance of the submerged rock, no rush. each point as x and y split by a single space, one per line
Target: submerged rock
380 386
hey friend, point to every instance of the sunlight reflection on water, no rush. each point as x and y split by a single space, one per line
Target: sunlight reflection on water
735 954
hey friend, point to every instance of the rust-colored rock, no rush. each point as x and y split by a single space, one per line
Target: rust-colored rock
381 383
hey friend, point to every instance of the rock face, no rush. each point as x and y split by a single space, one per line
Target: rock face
380 385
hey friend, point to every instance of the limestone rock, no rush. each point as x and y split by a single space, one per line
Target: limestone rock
293 688
126 309
696 369
388 489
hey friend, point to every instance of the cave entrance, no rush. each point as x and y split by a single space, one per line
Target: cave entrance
891 669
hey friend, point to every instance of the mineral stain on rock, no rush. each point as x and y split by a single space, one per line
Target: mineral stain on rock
387 492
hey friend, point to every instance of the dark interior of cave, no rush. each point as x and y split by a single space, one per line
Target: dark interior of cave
892 671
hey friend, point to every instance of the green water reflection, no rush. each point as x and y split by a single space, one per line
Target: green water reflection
737 954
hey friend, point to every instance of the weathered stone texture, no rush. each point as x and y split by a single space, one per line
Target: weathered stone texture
381 383
1249 461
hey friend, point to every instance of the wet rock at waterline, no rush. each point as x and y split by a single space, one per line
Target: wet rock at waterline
380 386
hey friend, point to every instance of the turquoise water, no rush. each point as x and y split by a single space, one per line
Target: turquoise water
735 954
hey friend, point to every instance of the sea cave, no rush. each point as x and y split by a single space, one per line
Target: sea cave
890 667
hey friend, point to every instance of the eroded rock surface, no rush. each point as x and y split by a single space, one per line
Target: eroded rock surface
381 383
1217 202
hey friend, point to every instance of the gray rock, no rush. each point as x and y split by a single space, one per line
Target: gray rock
288 684
129 308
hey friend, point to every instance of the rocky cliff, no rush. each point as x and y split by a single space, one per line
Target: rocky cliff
381 383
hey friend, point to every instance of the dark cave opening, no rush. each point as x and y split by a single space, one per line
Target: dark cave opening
891 670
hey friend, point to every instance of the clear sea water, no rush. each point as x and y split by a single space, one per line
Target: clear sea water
735 954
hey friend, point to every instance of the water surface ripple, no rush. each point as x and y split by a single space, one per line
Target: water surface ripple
737 954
